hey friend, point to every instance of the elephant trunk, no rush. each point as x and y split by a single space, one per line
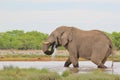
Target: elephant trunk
46 50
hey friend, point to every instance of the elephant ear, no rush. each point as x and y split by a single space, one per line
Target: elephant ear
66 37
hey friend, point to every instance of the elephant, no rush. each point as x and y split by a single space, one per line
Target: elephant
93 45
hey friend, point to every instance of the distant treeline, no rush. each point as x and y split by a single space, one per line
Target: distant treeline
115 37
18 39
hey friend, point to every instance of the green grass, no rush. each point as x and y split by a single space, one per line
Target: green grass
95 75
11 73
116 58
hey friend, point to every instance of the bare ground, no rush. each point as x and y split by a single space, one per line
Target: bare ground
63 54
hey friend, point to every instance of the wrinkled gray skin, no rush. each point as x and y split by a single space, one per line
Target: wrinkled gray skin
93 45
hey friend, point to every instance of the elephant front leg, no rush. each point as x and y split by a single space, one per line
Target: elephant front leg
73 58
67 63
76 65
73 61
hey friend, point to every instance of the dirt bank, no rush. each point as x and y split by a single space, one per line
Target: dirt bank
38 55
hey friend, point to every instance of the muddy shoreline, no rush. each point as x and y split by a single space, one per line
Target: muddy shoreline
38 55
61 52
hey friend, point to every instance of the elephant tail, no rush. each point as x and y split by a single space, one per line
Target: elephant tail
112 55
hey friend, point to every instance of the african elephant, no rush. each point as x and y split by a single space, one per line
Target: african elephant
93 45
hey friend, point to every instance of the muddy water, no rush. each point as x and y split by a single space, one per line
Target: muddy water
85 66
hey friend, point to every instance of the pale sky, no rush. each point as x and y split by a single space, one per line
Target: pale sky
47 15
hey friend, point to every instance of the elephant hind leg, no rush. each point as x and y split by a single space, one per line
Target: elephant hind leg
99 56
103 62
98 63
105 58
102 66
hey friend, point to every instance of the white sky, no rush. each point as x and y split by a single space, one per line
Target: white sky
46 15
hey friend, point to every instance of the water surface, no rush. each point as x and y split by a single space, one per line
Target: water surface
85 66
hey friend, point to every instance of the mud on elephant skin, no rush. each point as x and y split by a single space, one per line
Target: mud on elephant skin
93 45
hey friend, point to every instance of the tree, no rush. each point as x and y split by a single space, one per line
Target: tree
18 39
116 39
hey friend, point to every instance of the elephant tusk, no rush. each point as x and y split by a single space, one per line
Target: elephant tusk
46 42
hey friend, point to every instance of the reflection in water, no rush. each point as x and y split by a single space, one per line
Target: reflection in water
85 66
89 69
74 70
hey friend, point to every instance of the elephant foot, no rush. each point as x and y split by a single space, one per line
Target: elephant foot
102 66
76 66
67 64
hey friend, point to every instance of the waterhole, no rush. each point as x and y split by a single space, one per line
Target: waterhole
85 66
